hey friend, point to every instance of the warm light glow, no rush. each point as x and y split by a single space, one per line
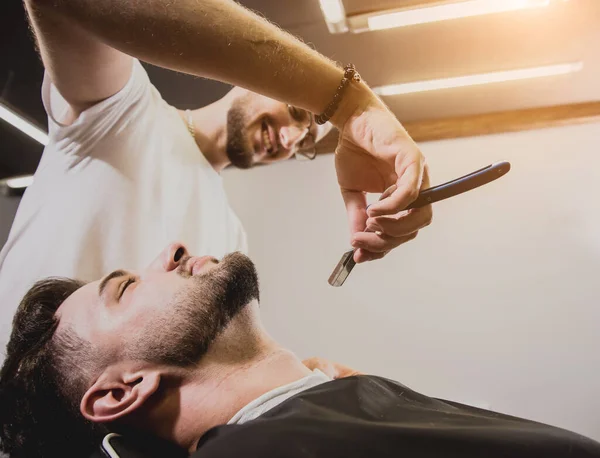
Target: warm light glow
23 125
449 11
482 78
19 182
333 10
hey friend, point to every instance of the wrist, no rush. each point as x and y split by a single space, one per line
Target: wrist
356 99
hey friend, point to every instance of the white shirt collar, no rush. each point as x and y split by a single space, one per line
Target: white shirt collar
275 397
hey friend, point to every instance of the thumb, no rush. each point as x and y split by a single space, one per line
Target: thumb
356 207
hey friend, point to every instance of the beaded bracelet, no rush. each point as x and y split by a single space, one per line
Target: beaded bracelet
350 74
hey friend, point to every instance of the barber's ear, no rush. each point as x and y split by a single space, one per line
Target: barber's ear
118 393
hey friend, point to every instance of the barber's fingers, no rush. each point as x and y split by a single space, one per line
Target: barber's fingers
332 369
380 243
412 173
361 255
425 181
403 223
356 207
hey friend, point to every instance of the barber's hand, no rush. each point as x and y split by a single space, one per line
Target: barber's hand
329 368
375 154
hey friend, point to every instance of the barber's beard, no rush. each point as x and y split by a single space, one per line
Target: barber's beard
184 334
239 149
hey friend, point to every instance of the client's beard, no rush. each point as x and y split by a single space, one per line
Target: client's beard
185 332
239 150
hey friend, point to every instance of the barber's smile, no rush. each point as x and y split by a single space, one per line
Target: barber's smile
268 138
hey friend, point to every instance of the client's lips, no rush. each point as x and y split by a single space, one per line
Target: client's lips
198 264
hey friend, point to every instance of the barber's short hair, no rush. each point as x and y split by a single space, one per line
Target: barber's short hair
43 379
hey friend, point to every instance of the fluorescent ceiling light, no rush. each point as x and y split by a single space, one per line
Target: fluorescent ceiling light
333 10
19 182
467 8
482 78
23 125
335 15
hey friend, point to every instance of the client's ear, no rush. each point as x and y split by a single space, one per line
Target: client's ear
117 393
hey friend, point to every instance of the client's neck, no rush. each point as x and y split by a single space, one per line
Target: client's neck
238 369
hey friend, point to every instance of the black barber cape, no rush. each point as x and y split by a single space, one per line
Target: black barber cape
373 417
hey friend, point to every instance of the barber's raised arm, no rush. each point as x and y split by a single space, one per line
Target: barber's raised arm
220 39
217 39
83 68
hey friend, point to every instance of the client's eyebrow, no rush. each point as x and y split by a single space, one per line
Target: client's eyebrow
109 277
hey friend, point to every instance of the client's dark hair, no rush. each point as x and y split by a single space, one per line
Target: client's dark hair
43 379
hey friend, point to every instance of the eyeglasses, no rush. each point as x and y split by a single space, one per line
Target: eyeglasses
307 144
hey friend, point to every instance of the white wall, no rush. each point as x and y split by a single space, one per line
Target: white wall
496 304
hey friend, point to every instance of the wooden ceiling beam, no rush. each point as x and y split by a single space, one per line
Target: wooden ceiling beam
490 123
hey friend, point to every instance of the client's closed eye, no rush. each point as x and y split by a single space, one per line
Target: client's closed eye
125 285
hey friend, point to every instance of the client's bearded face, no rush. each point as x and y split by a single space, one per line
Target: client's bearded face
182 334
170 313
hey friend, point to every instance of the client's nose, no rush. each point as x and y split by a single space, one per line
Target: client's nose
170 258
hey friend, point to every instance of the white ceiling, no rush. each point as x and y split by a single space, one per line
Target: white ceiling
565 31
